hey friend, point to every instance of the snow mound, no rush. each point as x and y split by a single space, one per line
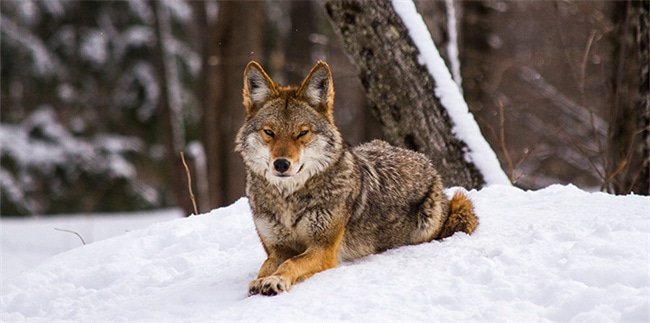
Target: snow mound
557 254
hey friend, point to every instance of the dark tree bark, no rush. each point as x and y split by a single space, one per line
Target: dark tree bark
238 40
644 89
208 93
298 53
628 163
399 89
175 167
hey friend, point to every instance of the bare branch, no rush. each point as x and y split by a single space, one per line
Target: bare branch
573 110
189 183
73 232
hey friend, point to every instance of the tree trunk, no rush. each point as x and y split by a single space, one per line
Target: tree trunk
400 90
643 41
298 52
208 93
238 40
629 121
169 127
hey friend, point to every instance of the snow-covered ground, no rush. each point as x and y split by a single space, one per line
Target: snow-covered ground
25 243
557 254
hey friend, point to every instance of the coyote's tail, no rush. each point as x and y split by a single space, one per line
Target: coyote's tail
461 216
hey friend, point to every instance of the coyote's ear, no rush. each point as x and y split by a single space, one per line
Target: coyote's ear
258 87
318 88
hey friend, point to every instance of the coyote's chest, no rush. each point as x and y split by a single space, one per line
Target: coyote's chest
285 225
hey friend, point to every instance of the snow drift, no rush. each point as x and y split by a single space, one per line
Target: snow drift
557 254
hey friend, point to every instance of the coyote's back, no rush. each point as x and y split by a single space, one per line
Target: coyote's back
316 201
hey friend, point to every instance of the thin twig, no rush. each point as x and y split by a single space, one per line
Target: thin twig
73 232
583 66
189 183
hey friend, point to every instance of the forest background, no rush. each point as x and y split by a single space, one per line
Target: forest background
100 97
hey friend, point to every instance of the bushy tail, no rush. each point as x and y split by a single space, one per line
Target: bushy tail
461 216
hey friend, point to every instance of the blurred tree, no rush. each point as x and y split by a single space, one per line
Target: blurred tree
550 101
628 163
84 68
512 79
208 180
170 105
238 38
298 52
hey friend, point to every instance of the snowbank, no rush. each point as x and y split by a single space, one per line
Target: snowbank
557 254
27 242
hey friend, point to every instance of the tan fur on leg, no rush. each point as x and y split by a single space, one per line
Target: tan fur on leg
315 259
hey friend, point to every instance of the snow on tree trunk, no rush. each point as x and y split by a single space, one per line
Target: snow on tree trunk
401 75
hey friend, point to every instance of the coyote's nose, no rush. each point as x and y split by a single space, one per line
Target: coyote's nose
281 165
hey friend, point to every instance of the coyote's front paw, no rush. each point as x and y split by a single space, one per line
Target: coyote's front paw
271 285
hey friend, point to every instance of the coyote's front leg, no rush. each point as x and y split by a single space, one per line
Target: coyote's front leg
315 259
269 266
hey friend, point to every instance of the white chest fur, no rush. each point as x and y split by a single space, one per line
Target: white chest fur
283 229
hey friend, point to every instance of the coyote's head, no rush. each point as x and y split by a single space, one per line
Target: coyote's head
289 133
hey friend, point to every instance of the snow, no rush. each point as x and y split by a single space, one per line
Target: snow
24 243
465 127
180 10
44 63
41 147
94 46
42 142
557 254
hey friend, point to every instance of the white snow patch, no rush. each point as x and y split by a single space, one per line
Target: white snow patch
94 46
142 10
557 254
45 63
27 242
465 127
179 10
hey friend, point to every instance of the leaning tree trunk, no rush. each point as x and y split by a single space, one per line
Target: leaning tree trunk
400 89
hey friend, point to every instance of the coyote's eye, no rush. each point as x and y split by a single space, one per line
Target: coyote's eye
269 133
302 133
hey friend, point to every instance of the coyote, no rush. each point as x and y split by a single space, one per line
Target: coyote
316 201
